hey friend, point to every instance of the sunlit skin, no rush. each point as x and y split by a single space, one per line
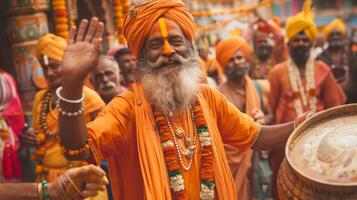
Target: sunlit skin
261 41
239 84
154 45
300 40
105 79
52 72
127 63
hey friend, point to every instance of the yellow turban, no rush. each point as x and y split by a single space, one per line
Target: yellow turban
227 48
304 21
335 24
51 45
140 19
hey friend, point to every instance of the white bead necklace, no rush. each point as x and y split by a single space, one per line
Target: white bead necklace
189 152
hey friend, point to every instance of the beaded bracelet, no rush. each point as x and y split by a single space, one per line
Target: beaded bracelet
73 152
67 113
45 193
58 93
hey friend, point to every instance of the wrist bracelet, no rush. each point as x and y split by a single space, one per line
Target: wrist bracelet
58 93
70 114
45 193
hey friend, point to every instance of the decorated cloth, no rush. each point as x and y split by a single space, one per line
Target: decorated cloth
227 48
335 24
54 162
328 93
51 45
12 122
303 21
130 143
140 19
241 162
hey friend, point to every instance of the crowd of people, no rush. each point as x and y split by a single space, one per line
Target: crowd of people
166 118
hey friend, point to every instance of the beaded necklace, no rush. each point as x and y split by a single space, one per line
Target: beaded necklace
46 138
173 151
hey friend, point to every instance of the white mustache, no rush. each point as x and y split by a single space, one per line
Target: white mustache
106 85
163 60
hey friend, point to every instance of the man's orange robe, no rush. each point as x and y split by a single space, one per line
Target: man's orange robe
241 162
125 135
328 94
54 160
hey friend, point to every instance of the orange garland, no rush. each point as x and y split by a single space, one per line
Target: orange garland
121 8
60 12
234 11
171 156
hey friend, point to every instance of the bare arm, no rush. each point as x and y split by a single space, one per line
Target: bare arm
90 177
272 136
79 58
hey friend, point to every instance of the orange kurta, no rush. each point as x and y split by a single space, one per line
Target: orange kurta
54 161
328 94
130 143
240 162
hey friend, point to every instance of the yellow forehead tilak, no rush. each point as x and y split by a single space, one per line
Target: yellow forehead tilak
166 48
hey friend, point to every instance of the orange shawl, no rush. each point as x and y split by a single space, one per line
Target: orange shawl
240 162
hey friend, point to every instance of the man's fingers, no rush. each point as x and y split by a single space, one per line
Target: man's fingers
100 30
94 186
71 35
92 29
81 30
89 193
98 44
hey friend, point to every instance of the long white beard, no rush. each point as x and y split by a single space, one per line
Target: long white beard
172 89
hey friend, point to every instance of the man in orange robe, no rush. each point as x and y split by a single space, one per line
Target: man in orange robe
233 55
172 162
300 84
48 155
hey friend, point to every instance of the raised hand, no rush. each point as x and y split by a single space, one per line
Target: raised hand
82 51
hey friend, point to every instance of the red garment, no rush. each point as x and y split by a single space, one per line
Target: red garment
13 115
328 93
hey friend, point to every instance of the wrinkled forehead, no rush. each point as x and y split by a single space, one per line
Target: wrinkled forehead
172 28
106 65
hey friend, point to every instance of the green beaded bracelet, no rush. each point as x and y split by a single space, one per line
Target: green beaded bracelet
45 193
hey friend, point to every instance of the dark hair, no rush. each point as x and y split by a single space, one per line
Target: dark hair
121 52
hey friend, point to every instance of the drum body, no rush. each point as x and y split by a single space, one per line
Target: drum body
321 157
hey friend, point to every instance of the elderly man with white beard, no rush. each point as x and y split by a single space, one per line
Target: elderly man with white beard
163 139
105 78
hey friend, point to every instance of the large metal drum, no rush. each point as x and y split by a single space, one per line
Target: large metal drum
321 157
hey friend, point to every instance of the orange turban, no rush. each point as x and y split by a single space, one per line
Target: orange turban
140 19
227 48
51 45
335 24
304 21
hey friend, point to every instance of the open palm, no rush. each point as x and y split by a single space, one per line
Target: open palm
82 51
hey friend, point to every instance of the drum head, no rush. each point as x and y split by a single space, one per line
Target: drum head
324 148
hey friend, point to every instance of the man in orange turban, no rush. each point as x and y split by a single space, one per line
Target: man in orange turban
233 55
163 139
300 84
48 155
336 55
